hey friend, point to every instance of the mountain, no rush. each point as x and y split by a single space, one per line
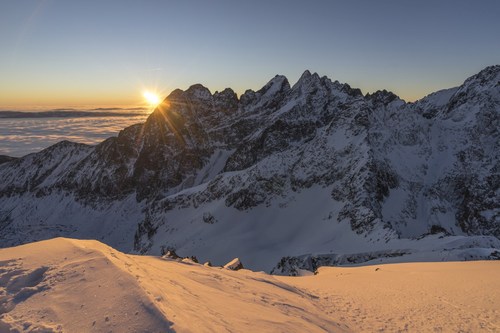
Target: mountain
277 175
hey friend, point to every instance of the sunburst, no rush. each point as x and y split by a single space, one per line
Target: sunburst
151 98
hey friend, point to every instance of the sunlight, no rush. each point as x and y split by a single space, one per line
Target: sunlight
151 98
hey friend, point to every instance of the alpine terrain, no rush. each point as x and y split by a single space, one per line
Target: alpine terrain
287 178
67 285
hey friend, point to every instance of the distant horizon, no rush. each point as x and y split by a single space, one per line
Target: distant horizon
77 107
139 103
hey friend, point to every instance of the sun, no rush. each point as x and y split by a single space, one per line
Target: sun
151 98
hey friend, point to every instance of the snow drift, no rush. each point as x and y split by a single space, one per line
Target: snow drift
65 285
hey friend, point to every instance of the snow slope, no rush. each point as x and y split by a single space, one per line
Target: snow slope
66 285
410 297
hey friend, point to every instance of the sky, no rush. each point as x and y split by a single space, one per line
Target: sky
95 52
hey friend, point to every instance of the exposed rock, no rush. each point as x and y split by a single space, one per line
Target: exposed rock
170 254
5 159
234 265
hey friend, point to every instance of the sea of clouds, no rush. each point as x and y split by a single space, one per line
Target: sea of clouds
25 132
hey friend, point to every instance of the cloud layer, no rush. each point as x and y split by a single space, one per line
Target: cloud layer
27 132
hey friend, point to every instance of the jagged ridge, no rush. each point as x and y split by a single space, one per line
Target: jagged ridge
386 168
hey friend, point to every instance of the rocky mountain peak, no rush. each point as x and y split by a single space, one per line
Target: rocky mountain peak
489 74
277 85
194 92
305 75
227 93
248 97
306 80
174 95
198 91
316 168
226 100
382 97
484 86
353 92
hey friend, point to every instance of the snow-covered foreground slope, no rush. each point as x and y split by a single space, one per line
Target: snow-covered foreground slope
410 297
79 286
65 285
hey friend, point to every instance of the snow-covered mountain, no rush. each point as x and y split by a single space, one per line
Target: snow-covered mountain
316 169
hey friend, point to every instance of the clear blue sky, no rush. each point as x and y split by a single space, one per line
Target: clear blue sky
63 52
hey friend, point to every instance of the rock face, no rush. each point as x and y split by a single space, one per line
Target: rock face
4 159
283 171
234 265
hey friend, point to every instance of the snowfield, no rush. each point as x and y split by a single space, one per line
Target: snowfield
66 285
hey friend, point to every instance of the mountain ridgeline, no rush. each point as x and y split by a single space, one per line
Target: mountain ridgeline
279 173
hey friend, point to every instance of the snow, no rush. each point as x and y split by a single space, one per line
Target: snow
274 86
303 222
259 237
66 285
413 297
214 166
439 98
341 175
48 216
